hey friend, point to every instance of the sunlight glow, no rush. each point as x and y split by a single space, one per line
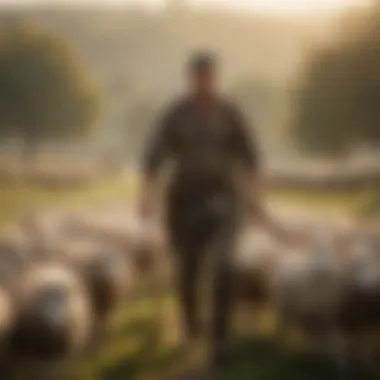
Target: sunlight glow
271 6
285 6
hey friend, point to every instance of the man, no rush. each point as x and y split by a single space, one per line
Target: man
216 176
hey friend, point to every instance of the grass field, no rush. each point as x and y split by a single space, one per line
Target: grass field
360 204
143 342
17 198
142 348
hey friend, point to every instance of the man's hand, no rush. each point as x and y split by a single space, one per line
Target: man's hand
259 209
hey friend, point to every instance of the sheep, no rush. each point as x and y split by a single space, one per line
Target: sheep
12 263
144 244
122 228
307 291
359 312
7 312
253 260
255 253
53 324
149 250
107 275
8 315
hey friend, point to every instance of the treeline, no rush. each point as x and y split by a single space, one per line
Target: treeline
337 100
47 97
46 91
51 92
138 56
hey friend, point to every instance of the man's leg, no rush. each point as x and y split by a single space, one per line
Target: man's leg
222 251
188 272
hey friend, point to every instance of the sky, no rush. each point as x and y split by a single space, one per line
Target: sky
271 6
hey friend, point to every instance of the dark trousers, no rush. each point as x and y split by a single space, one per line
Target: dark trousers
200 223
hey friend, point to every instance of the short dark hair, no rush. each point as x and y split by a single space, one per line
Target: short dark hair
202 61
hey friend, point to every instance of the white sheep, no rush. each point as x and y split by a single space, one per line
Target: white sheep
107 274
54 321
253 262
359 314
308 288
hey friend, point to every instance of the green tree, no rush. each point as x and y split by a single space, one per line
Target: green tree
46 92
337 102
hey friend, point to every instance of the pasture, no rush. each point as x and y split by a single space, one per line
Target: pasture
144 334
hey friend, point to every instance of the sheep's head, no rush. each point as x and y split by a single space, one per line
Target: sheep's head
255 248
52 304
54 298
104 270
109 265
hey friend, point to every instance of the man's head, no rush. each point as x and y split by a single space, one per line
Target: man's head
202 71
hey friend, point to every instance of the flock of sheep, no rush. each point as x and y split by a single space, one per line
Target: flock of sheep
325 282
62 274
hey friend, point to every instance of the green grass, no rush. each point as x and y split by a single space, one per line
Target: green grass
360 204
140 346
17 198
138 350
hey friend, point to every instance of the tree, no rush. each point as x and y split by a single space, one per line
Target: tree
46 92
337 102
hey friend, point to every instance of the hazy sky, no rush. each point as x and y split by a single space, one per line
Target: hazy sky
278 6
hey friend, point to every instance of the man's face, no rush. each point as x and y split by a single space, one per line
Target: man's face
204 82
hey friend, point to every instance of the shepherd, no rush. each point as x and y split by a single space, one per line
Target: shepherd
216 179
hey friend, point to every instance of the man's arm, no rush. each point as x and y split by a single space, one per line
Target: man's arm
158 150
